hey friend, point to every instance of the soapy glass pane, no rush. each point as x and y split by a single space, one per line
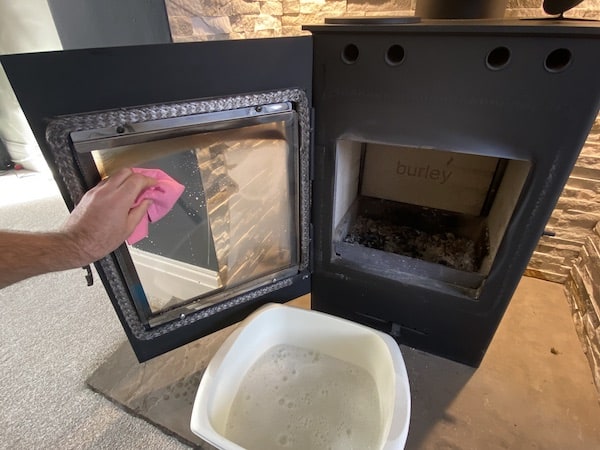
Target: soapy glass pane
236 222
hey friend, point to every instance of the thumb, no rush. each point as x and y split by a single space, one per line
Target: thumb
137 214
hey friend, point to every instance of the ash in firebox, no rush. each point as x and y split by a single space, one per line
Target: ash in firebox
440 248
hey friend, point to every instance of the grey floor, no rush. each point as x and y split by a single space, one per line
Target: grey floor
54 331
533 390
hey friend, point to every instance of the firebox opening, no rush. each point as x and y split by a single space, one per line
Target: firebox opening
422 215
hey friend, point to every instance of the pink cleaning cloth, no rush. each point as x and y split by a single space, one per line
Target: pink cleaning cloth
163 194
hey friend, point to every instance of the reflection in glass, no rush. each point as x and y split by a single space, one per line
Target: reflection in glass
236 221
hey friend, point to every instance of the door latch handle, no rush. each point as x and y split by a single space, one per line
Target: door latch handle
89 277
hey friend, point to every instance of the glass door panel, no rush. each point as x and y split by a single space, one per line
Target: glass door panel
236 224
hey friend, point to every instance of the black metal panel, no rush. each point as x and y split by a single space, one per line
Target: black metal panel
446 94
52 84
74 82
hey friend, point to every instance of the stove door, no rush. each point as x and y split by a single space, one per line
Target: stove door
230 121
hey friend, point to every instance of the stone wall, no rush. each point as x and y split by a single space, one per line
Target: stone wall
577 210
582 289
573 219
197 20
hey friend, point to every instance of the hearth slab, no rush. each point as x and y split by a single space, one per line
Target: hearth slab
534 386
162 390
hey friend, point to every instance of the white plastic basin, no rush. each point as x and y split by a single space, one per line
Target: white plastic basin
273 325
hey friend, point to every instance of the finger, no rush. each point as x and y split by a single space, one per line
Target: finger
135 184
117 178
136 214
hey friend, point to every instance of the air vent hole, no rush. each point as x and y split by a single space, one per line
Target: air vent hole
498 58
558 60
394 55
350 54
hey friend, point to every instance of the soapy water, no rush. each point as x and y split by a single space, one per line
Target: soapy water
296 398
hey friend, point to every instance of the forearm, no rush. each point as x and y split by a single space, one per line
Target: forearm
101 221
23 255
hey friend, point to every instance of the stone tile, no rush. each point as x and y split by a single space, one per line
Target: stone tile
374 6
393 13
181 26
525 13
196 8
272 8
547 274
322 7
294 31
523 4
211 26
290 6
162 390
192 8
267 23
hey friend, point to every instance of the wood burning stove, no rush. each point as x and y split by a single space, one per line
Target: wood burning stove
401 171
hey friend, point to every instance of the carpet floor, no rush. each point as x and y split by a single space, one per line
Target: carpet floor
54 332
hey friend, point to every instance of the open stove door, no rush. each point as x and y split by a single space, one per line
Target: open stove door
230 121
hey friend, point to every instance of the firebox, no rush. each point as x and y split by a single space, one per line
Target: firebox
402 171
429 214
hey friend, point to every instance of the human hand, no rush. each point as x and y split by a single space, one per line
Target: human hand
105 216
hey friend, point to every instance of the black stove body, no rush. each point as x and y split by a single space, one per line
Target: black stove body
419 163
